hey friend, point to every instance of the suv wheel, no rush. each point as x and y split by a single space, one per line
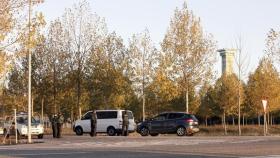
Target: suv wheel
144 131
79 131
111 131
181 131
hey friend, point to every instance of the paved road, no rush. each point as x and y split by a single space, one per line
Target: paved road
95 154
152 147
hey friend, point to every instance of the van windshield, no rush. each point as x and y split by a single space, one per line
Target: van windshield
24 120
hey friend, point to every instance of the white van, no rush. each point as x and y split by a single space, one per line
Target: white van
108 121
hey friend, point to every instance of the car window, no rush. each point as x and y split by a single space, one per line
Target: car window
129 113
160 117
107 114
87 116
175 115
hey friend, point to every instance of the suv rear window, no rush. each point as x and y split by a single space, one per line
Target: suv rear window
107 114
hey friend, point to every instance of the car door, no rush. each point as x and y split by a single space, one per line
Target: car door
157 124
171 122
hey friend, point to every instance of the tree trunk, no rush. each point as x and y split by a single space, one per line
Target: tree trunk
268 117
32 106
143 106
225 124
206 124
143 85
259 120
187 100
239 102
72 116
233 122
42 110
54 88
79 90
243 119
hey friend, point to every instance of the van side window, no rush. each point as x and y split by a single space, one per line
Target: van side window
87 116
107 114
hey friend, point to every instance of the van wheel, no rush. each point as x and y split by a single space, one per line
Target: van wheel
144 131
111 131
181 131
79 131
40 136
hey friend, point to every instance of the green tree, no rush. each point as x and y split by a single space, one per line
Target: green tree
108 86
143 60
226 96
263 84
190 49
84 31
207 107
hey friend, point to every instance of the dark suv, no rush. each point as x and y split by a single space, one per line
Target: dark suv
174 122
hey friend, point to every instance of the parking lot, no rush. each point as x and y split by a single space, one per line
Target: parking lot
136 146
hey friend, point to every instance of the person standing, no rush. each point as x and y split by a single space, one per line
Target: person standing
54 125
60 120
125 123
93 124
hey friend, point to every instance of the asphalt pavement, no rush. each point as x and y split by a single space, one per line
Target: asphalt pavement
164 146
94 154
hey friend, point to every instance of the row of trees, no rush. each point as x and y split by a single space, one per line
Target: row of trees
78 65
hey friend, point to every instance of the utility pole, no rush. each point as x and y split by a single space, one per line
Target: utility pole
29 73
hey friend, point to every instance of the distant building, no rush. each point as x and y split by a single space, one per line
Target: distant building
227 60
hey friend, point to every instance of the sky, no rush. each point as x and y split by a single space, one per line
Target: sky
226 20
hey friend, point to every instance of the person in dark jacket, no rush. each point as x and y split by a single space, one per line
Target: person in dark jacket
60 121
125 123
54 125
93 124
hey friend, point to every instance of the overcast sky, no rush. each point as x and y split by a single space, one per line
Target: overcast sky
225 19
